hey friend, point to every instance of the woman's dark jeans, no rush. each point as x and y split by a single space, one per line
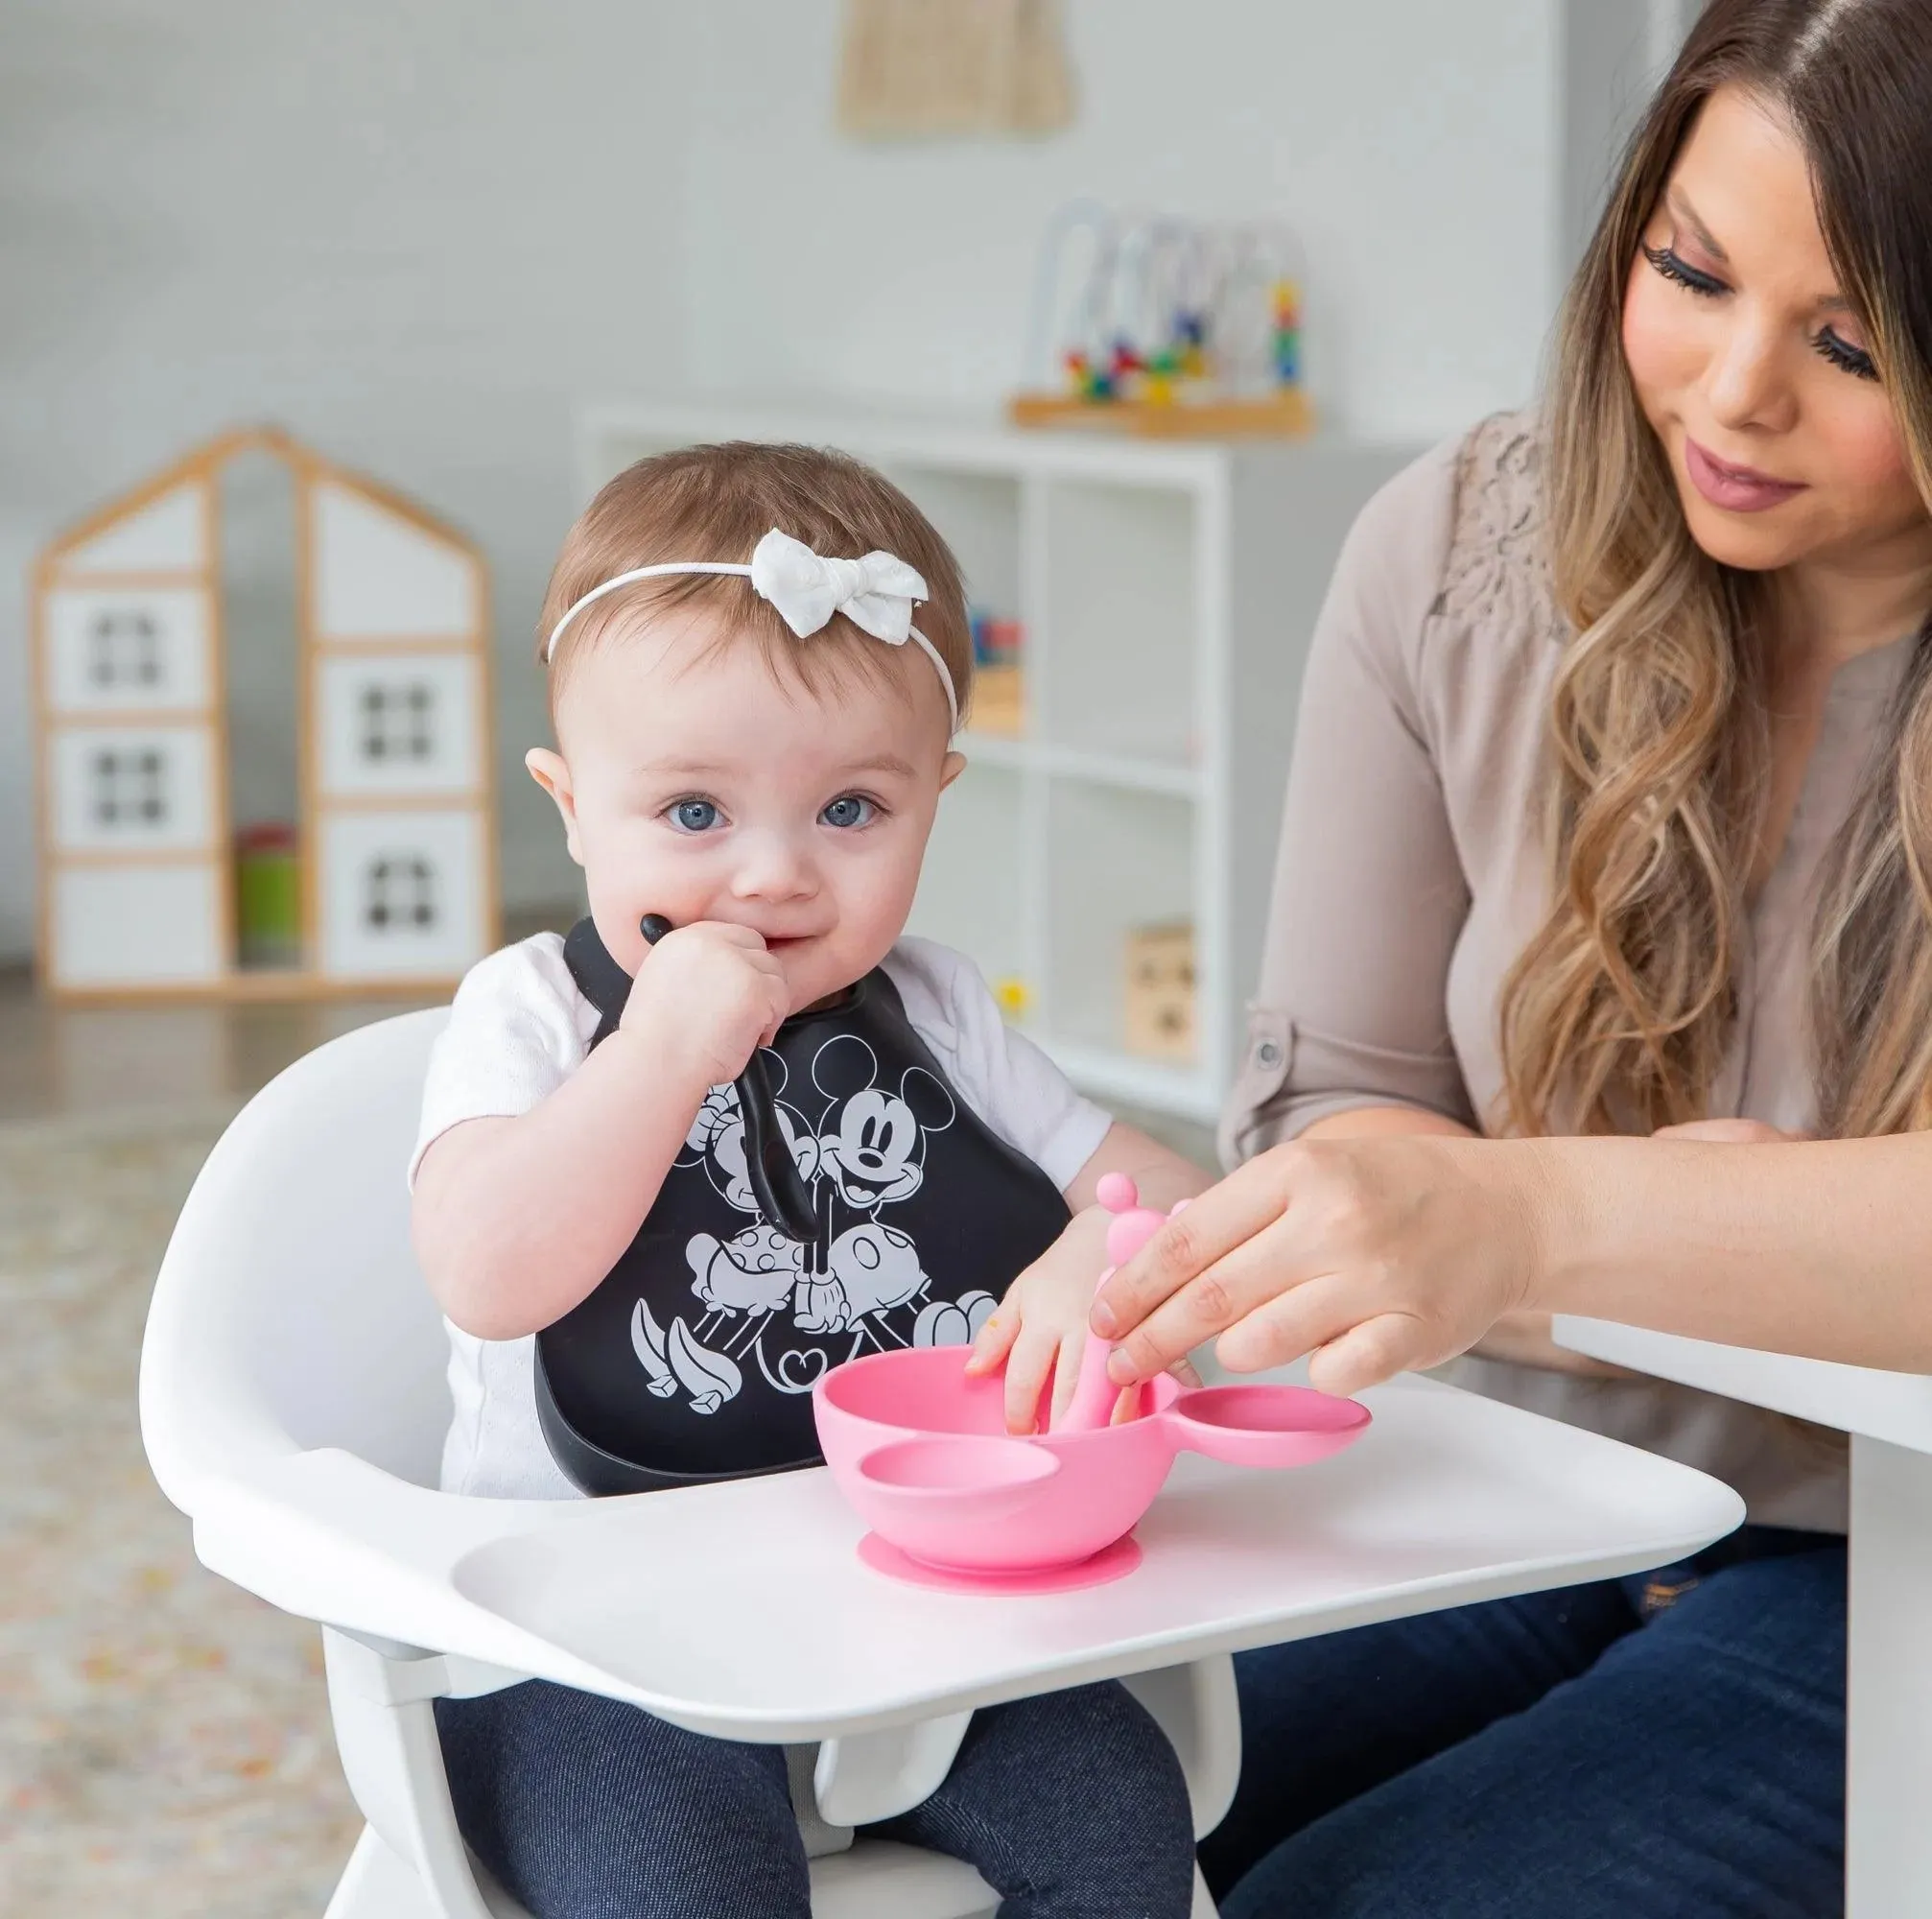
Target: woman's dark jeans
1665 1747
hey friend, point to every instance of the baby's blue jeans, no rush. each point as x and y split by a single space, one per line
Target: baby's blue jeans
1071 1806
1670 1746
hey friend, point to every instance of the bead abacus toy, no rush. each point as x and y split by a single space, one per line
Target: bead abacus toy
1175 326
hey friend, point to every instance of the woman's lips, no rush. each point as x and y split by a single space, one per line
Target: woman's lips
1737 489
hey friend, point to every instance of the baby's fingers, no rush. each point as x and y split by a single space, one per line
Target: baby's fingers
1028 1365
1067 1368
995 1342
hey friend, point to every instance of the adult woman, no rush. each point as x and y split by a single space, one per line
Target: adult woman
1669 645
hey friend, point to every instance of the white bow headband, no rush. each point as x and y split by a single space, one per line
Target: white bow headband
877 594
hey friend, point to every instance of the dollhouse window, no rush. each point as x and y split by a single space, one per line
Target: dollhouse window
399 891
397 723
123 649
129 785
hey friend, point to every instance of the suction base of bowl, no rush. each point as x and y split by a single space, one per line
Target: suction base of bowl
1111 1562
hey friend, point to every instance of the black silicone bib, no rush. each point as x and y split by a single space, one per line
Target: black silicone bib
695 1358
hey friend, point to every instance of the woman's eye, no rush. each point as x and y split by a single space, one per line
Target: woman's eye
693 815
1673 267
849 809
1847 358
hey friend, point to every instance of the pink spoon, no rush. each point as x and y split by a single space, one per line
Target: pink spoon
1132 1226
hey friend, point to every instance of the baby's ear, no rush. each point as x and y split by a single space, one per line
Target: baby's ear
551 772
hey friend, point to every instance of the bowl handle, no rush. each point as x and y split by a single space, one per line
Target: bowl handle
1325 1426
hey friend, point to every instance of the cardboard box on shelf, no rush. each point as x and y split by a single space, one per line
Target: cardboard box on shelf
999 701
1159 995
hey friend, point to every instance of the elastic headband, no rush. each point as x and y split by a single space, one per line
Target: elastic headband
877 594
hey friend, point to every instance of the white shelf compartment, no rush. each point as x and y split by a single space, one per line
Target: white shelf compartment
1169 592
1116 860
1116 769
1109 1074
1115 602
968 897
980 513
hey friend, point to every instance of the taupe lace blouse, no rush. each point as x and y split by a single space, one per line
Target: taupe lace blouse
1412 870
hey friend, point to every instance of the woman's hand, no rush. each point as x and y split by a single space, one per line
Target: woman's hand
1041 1326
1373 1255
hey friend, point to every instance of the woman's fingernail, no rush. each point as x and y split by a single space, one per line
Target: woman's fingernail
1121 1369
1102 1319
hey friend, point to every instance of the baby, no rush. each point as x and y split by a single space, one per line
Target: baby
736 1129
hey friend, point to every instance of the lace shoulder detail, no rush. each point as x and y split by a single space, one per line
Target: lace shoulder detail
1498 564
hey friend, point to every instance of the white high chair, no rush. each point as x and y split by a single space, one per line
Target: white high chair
293 1403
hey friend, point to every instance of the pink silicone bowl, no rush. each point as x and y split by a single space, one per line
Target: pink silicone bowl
981 1504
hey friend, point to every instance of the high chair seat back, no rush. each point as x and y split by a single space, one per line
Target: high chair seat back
289 1313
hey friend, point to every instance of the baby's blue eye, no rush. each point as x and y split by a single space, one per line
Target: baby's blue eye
694 816
849 809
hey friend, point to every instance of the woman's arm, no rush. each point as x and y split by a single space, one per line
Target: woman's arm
1380 1122
1383 1254
1821 1247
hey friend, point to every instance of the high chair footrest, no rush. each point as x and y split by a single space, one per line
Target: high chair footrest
873 1776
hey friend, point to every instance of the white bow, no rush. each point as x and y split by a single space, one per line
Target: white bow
876 593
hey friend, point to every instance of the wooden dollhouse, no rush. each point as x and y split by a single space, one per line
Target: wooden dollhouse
396 834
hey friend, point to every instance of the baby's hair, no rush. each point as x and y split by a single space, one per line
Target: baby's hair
717 503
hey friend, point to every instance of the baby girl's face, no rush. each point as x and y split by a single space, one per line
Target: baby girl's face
706 789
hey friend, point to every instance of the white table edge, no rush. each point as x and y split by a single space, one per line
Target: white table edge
1894 1407
277 1555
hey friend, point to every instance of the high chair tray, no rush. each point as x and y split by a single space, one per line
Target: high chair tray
742 1609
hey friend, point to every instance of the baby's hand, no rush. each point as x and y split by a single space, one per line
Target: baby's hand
709 993
1040 1325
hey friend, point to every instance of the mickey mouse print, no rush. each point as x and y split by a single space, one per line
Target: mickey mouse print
761 1297
696 1357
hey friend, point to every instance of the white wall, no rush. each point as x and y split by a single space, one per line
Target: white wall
1611 55
1412 143
413 232
418 231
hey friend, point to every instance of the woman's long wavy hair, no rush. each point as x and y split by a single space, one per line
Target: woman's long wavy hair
1618 1013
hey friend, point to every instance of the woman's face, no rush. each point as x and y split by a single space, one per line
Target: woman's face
1750 365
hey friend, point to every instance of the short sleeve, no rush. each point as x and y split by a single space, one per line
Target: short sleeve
517 1029
1001 1075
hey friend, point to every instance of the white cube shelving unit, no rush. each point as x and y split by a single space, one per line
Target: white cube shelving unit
1169 592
